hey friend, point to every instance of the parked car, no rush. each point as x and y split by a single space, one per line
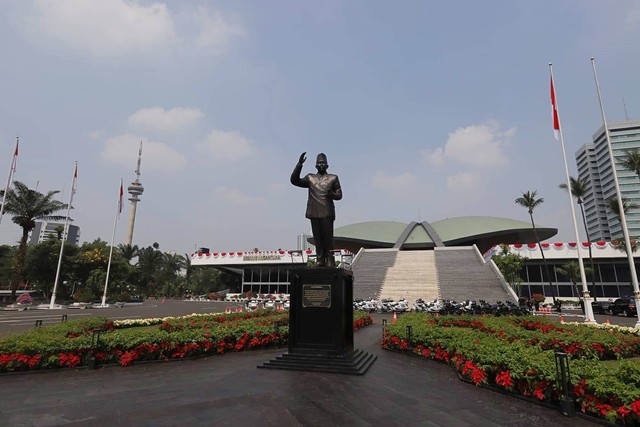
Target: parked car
600 307
624 306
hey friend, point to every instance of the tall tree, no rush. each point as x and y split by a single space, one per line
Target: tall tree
528 200
631 161
149 269
571 270
510 265
28 206
614 207
128 251
579 190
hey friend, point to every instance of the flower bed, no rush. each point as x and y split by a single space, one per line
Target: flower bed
70 344
516 355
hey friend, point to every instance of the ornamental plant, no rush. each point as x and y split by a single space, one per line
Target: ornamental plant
516 355
24 298
71 344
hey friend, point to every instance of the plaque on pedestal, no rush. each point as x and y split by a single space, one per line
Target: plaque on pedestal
321 324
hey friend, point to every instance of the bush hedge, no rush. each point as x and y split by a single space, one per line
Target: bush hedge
516 354
73 344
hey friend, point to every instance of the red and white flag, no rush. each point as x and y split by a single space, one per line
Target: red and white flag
74 183
15 157
554 112
120 199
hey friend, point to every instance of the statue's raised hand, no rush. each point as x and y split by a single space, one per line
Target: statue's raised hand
302 158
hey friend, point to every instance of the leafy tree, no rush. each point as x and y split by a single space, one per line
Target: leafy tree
149 269
28 206
529 201
7 254
41 264
579 189
510 265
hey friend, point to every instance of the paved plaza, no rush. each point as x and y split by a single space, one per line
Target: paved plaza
398 390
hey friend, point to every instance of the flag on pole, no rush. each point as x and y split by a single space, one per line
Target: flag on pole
554 111
74 184
120 199
15 157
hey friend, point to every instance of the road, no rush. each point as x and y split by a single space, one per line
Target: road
17 321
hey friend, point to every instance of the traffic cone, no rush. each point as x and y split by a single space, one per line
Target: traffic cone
437 314
395 317
561 319
607 322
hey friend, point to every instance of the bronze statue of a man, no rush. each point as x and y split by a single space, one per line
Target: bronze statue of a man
324 188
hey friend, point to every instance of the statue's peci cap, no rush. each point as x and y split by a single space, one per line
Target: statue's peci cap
322 157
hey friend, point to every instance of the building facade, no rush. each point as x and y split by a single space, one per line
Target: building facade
611 278
265 272
45 230
303 242
594 167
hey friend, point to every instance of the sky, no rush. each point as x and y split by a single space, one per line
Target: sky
426 110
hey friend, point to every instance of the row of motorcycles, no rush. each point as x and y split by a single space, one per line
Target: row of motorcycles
443 307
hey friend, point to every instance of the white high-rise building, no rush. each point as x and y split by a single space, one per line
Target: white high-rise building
303 242
594 166
45 230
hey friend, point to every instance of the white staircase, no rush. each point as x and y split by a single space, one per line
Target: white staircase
412 276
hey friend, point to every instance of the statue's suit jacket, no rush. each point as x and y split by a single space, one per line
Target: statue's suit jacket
320 203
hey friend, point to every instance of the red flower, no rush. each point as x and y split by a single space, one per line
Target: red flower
635 407
540 390
478 376
603 408
128 357
579 389
504 379
5 359
69 359
623 411
426 352
34 360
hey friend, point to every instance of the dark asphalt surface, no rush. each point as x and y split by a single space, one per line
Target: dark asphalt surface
229 390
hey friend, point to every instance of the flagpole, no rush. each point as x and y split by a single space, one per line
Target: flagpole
623 219
64 236
12 169
113 236
586 298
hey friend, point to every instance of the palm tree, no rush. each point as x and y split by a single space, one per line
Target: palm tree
128 251
571 270
27 206
579 190
631 161
614 207
529 201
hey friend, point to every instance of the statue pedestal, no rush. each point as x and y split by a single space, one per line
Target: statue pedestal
321 324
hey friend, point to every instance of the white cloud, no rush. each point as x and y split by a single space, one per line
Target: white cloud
481 146
633 17
467 183
227 146
392 183
104 28
237 198
216 31
160 120
123 150
120 28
